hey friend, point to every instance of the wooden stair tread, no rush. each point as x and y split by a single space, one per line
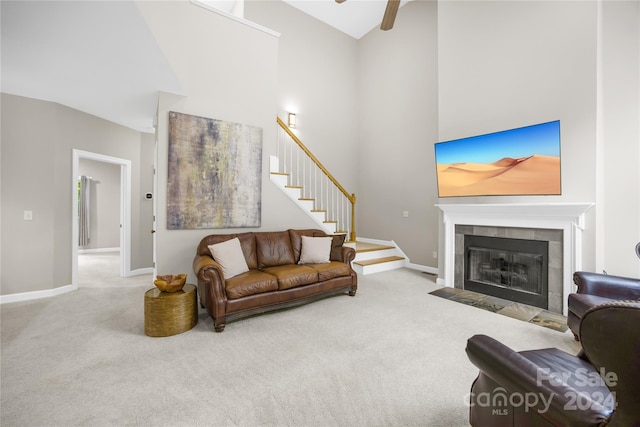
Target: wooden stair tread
378 260
368 247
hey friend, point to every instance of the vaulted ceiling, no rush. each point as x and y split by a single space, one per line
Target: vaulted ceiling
101 58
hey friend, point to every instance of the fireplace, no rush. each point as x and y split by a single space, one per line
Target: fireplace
512 269
530 247
566 220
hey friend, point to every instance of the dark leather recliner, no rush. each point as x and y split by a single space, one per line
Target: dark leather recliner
550 387
595 289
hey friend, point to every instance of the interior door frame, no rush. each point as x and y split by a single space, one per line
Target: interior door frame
154 224
125 210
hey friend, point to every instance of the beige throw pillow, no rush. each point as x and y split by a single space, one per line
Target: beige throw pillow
230 257
315 250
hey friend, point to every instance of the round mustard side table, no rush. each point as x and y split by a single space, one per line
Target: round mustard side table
170 313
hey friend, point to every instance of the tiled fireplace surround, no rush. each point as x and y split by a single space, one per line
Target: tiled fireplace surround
561 224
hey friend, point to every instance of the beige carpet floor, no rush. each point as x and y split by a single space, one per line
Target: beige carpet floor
102 269
393 355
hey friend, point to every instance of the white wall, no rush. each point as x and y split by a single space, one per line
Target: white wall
250 78
28 185
503 65
317 78
618 194
229 71
36 145
398 125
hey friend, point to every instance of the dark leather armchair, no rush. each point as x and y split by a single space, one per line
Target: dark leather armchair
595 289
550 387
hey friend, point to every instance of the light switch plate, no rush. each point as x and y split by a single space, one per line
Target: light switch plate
28 215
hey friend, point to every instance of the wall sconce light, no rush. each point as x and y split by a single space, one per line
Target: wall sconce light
292 120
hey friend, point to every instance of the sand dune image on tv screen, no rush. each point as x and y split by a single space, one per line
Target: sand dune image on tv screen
535 174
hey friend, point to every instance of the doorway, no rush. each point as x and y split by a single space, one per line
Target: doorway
124 216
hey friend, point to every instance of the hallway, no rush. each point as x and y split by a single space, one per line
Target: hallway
102 270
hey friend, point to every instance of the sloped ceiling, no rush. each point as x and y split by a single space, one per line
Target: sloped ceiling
101 58
93 56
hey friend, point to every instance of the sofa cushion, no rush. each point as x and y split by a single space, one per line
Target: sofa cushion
296 240
331 270
290 276
336 242
336 246
230 257
250 283
247 242
315 250
580 303
273 249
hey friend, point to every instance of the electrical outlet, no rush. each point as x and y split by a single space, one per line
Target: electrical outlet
28 215
435 254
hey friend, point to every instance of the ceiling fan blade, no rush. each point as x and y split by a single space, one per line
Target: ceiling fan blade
389 14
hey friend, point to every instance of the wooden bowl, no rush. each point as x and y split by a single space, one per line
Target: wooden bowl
170 283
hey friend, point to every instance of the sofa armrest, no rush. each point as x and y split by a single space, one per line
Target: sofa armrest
210 283
503 365
517 374
348 254
614 287
201 262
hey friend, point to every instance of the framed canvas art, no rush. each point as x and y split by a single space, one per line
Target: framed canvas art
214 174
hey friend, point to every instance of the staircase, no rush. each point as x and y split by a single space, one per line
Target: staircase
307 204
374 256
301 176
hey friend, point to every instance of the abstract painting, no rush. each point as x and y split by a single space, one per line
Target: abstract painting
215 173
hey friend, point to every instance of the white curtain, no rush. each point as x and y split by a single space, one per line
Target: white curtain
84 197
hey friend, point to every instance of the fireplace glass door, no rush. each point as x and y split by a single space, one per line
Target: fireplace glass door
512 269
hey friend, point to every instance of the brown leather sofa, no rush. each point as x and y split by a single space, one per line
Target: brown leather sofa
275 279
595 289
550 387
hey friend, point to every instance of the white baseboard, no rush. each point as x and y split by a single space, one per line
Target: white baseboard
46 293
96 250
424 268
140 271
409 264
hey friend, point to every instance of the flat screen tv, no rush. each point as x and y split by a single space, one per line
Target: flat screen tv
522 161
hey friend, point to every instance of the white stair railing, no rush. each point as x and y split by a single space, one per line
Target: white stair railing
316 184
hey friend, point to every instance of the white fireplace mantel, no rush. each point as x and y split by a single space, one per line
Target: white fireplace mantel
568 217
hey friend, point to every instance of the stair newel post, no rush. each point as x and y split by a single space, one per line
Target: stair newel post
352 235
